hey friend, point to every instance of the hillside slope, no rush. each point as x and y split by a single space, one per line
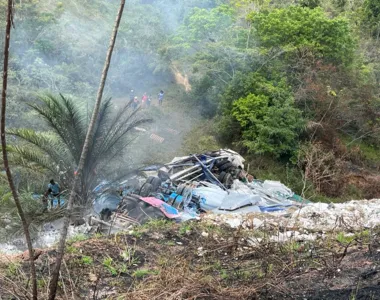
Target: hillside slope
206 260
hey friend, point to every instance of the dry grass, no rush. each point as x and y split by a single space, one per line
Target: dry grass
175 261
178 279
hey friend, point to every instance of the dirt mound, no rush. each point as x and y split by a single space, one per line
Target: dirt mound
364 181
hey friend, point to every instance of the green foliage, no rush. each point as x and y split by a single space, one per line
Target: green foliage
364 236
185 228
200 139
98 235
86 260
58 151
372 15
113 267
41 283
372 10
310 3
369 152
204 94
77 238
10 224
137 233
272 129
130 257
224 275
268 168
208 24
265 111
157 224
344 239
294 28
72 249
108 263
213 49
246 61
13 269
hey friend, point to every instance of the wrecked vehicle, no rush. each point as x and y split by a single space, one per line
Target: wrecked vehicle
187 186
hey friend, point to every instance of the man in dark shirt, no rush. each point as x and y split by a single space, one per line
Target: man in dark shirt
54 191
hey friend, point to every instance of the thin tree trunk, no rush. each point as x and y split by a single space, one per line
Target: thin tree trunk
4 149
89 137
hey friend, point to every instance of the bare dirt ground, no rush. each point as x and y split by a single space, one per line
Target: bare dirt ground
200 260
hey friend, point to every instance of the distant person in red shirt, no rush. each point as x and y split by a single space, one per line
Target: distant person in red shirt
144 100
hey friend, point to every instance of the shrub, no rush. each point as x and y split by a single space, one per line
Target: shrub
295 27
265 112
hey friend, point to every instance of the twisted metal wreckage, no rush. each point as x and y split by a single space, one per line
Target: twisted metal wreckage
186 187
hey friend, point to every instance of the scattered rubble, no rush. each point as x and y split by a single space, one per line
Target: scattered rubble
48 236
316 217
188 186
215 187
349 216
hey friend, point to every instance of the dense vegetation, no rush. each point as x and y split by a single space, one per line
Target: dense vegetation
293 85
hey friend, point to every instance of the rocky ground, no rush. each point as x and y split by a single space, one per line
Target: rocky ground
350 216
207 260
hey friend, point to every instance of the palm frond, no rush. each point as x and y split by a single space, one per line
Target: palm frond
122 113
100 132
27 157
43 141
104 131
103 118
101 128
122 124
75 121
65 119
125 116
58 151
117 140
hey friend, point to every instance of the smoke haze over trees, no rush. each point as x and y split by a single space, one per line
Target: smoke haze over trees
277 80
293 85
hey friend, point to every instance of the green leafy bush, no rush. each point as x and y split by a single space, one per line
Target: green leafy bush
296 27
269 125
372 16
264 110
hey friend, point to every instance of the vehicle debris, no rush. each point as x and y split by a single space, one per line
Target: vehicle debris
188 186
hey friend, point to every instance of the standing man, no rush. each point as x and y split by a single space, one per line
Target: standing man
132 95
54 191
160 97
135 103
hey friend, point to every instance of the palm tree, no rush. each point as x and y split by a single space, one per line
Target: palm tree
58 150
88 142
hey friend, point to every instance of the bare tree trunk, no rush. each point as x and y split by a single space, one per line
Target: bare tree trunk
4 148
89 137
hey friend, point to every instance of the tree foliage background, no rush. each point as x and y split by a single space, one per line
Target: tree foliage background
268 77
